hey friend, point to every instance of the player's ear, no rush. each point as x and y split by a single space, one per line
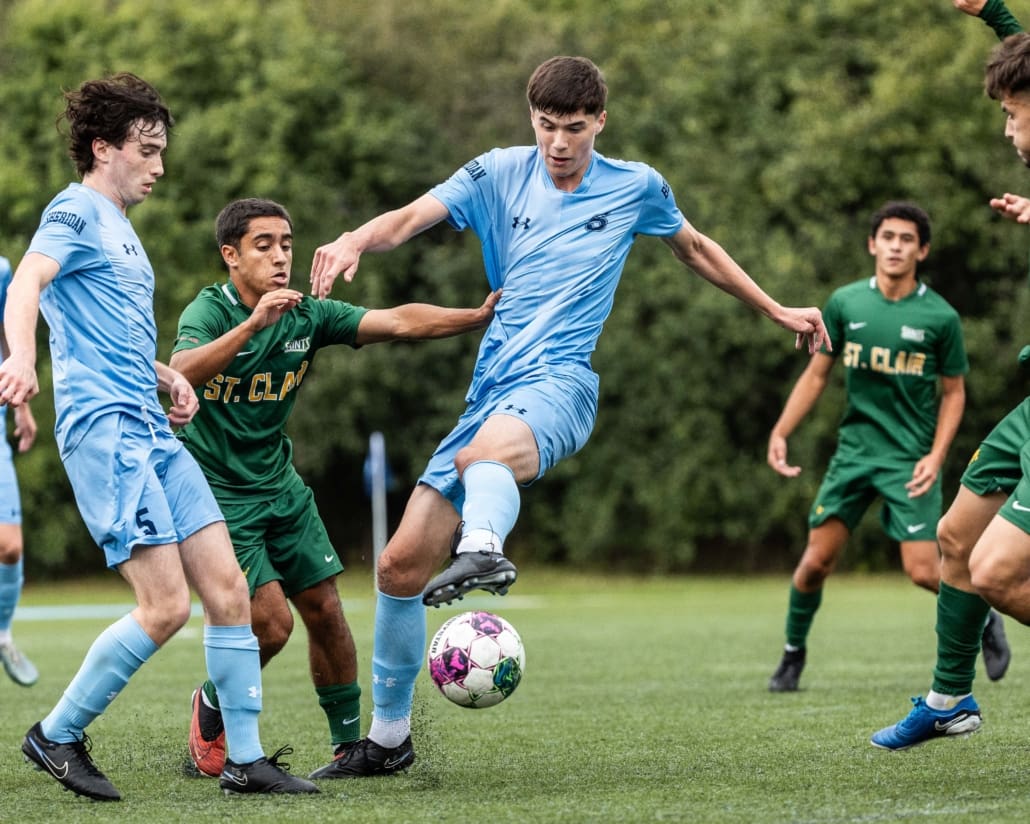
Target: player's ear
602 118
230 254
924 250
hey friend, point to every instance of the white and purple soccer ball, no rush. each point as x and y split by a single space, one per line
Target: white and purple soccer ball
476 659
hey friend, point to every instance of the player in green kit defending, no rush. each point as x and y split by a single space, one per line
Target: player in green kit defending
898 340
248 344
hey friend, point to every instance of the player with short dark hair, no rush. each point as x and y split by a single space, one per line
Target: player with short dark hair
985 534
902 350
141 494
249 343
556 222
16 664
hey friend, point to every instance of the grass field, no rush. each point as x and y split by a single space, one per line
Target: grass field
643 700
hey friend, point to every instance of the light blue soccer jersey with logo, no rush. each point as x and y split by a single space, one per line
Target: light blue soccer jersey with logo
557 255
100 310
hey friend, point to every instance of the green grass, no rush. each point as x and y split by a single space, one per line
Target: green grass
643 700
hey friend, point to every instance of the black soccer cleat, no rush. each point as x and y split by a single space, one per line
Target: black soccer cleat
468 571
266 775
995 647
785 679
70 764
366 758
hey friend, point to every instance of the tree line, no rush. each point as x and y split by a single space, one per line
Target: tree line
780 128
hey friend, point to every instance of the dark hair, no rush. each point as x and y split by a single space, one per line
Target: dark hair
904 211
566 85
110 109
234 220
1008 68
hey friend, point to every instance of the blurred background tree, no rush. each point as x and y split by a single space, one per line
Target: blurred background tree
780 128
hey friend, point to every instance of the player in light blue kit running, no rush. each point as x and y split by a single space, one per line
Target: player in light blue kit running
20 669
556 222
141 494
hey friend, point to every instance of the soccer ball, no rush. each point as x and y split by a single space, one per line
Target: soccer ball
476 659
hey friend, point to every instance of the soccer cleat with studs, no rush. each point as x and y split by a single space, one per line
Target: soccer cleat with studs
785 679
20 669
365 758
924 723
70 764
207 737
266 775
995 647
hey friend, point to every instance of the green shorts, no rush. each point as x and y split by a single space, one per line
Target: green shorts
850 486
280 538
1002 464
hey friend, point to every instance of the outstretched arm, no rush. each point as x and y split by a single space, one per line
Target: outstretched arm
710 261
993 12
802 398
380 234
420 321
18 380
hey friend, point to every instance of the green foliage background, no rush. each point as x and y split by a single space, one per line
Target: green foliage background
780 127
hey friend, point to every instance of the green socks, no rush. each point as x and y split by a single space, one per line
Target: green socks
801 611
960 623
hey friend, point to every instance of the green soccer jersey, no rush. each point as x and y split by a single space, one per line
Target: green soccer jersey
893 353
238 435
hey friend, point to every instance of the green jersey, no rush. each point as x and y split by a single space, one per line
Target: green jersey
893 352
238 435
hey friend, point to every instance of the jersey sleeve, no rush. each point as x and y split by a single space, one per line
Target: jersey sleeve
833 317
659 216
466 192
339 322
953 360
68 232
997 15
199 323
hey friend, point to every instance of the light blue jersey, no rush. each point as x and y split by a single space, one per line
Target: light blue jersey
557 255
103 338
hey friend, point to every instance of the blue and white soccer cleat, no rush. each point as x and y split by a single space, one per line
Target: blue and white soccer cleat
924 723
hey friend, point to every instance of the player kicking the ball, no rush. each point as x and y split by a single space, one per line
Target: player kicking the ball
556 222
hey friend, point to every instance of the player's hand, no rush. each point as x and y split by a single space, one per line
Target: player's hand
18 382
487 309
272 306
24 427
777 457
184 402
810 331
1013 207
923 476
971 7
337 258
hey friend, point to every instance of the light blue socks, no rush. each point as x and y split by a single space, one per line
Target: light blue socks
234 667
115 655
491 506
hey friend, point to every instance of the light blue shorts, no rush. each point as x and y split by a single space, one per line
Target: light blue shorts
10 501
137 488
559 408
